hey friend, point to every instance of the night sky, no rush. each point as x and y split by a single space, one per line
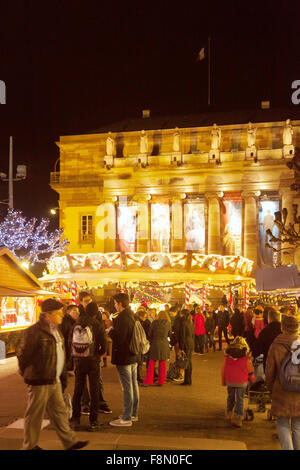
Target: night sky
73 66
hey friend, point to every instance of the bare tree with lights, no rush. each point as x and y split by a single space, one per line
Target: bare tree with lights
30 240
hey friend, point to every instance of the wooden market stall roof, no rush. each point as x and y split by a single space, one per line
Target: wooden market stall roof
15 279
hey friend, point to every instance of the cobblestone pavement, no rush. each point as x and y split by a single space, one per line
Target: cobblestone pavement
173 410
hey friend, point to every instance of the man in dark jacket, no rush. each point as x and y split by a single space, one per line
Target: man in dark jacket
222 323
88 366
266 337
125 360
42 364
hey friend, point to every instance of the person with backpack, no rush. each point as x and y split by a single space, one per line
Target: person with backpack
160 331
237 371
285 404
124 360
88 343
85 299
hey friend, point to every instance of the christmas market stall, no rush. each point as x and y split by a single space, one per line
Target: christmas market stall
279 287
154 278
20 293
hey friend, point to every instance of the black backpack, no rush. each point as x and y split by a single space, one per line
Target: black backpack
289 374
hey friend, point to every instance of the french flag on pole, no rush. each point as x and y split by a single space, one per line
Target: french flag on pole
201 54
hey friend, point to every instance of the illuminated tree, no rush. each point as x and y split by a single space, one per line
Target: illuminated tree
30 240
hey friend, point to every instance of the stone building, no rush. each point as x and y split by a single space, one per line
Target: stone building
174 199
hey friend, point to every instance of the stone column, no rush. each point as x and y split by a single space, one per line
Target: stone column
287 203
250 225
143 226
214 223
177 237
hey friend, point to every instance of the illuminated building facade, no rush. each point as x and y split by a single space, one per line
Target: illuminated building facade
175 188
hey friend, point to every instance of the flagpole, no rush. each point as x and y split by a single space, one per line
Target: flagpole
209 71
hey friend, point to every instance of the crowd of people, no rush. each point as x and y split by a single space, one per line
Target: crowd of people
87 335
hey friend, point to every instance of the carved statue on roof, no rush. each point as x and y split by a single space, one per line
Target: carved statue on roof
143 142
287 135
215 137
110 144
251 135
176 140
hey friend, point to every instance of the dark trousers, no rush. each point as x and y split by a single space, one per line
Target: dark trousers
86 367
199 343
85 399
222 329
188 370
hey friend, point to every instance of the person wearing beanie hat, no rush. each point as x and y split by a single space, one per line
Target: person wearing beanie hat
42 364
237 371
285 405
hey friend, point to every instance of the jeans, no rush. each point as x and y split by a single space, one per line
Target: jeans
211 341
288 430
236 397
86 367
128 378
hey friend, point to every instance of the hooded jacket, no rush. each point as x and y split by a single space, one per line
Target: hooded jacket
283 403
237 369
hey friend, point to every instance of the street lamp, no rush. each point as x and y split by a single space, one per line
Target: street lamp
54 210
20 176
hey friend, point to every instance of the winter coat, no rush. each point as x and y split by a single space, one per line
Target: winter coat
237 324
265 338
159 332
37 355
223 318
186 335
283 403
210 325
236 372
199 321
121 335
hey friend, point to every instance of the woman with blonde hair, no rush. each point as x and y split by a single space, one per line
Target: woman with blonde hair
159 332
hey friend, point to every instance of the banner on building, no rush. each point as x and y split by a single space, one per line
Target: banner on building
232 225
126 228
160 227
194 226
267 209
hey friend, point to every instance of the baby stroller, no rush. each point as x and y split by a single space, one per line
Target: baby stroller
257 393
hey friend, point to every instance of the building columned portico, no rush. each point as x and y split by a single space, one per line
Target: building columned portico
191 190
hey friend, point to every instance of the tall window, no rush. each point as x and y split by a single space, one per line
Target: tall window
87 228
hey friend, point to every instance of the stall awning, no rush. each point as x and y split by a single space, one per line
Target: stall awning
9 292
283 277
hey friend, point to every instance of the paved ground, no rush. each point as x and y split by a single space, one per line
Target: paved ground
171 417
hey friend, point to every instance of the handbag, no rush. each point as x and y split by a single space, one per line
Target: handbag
182 361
